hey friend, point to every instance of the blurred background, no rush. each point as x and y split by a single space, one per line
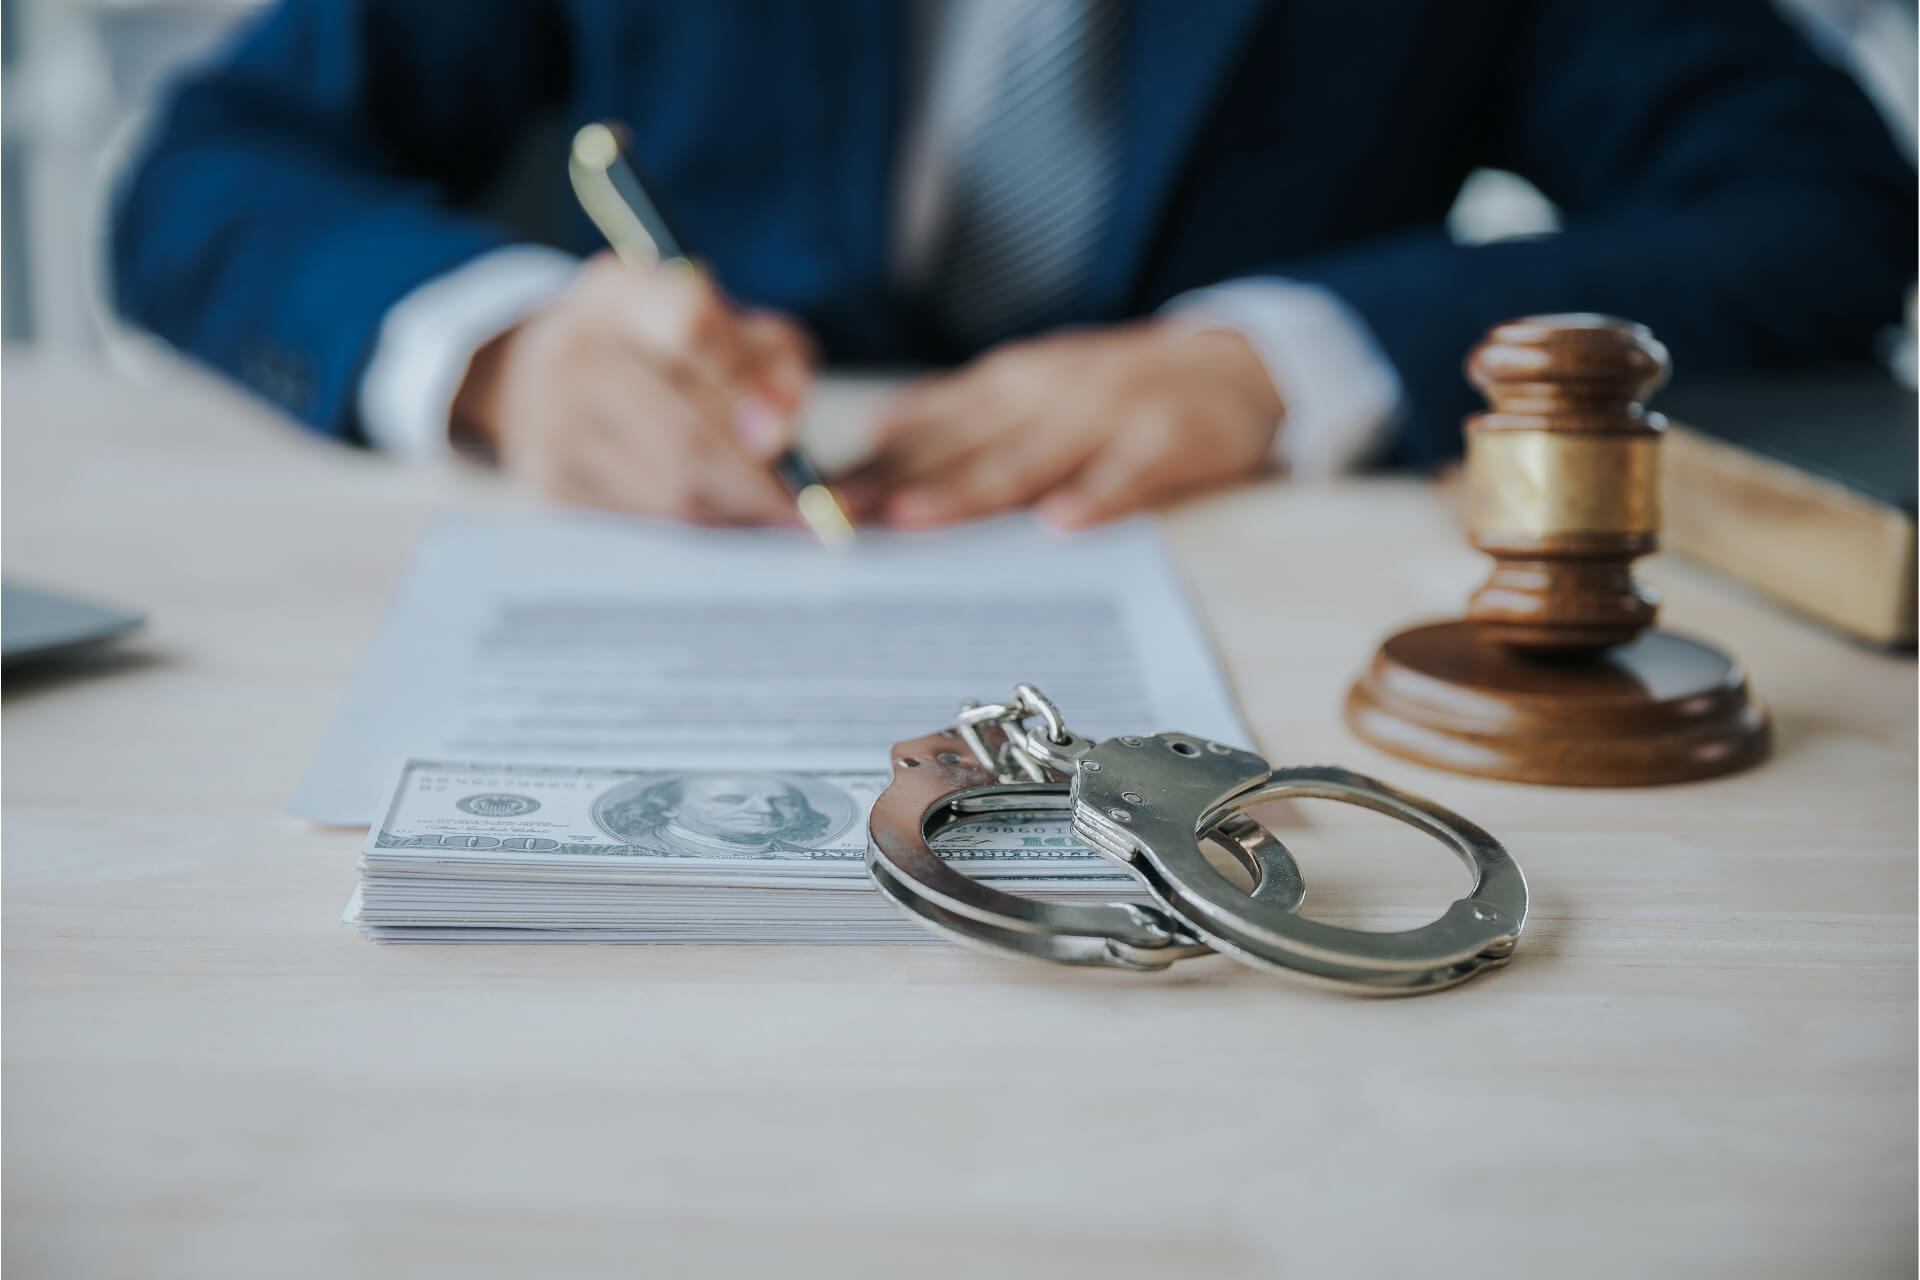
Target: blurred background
80 77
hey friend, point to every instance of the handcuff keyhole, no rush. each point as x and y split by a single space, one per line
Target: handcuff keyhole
1185 749
909 762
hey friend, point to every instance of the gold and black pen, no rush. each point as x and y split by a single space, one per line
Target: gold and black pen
610 192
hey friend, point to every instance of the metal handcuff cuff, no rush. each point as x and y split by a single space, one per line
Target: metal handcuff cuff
1149 804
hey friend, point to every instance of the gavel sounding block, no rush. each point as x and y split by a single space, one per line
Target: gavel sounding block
1662 708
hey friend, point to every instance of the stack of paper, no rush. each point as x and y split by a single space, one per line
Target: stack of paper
530 853
706 716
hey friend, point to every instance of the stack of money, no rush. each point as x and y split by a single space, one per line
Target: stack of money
556 853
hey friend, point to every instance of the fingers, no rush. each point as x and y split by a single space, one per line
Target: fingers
665 459
779 377
782 355
750 370
641 392
924 400
678 317
932 422
922 430
1105 490
1007 473
1143 466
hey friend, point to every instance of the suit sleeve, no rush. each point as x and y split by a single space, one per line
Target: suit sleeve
1718 180
297 187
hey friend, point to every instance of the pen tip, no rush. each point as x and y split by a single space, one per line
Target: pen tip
823 515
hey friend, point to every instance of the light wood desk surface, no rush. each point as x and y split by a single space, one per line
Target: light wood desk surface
1700 1063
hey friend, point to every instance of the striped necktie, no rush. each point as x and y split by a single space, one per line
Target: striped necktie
1032 184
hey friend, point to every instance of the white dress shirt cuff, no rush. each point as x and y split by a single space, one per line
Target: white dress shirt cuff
428 338
1341 393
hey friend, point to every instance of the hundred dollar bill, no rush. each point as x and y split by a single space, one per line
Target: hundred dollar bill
757 821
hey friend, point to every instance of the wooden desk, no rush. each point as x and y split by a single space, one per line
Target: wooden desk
1701 1062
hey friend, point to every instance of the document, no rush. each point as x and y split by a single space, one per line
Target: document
571 638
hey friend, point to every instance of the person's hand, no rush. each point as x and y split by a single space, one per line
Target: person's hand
1085 426
642 392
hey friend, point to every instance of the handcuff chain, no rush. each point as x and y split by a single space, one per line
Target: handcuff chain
1013 761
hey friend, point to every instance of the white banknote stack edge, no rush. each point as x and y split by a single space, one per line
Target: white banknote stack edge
471 852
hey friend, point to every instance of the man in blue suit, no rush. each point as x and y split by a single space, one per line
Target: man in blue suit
1169 241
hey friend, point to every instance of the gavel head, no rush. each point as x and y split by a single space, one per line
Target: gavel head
1563 474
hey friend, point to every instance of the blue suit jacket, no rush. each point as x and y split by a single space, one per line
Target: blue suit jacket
1720 182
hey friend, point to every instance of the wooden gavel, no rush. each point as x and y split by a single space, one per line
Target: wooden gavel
1564 479
1556 673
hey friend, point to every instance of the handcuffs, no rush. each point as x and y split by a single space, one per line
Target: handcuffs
1149 803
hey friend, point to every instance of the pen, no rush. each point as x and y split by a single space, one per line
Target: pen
610 192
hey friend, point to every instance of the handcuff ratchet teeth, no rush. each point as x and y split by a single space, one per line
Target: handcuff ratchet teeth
1149 803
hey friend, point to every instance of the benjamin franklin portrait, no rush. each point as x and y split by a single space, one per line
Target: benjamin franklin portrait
724 815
